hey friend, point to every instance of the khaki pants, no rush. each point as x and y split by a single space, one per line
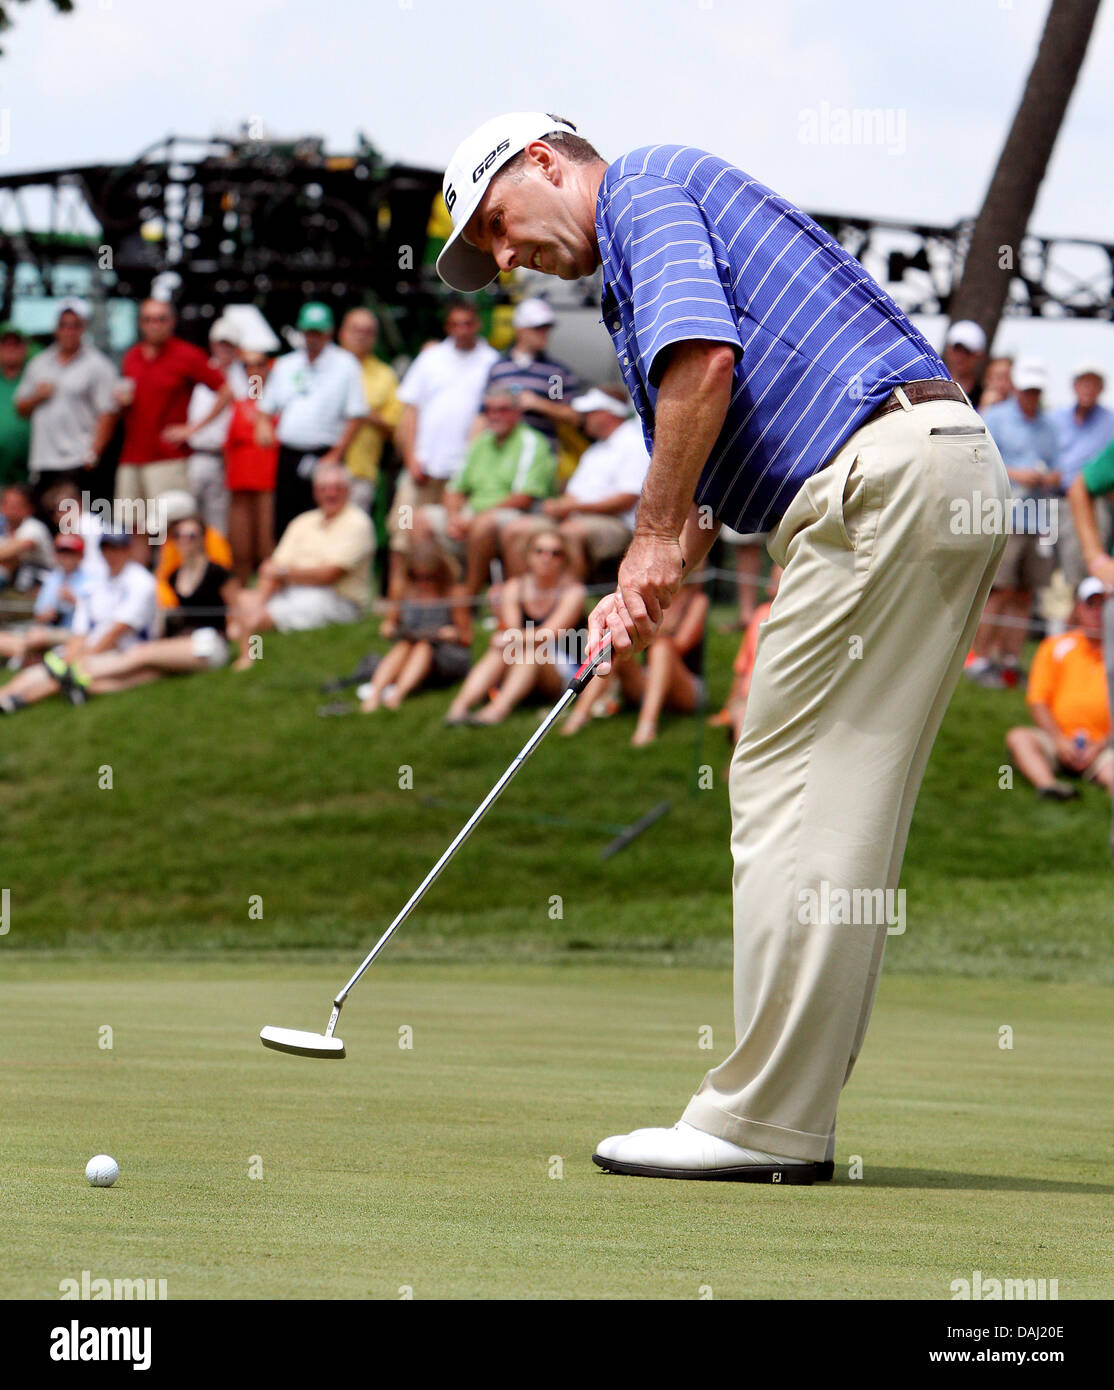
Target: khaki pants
147 482
409 496
883 587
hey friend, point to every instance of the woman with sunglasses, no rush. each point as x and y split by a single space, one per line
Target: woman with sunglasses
543 612
195 631
430 649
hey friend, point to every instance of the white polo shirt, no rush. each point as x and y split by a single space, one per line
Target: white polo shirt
128 597
446 387
314 400
616 464
62 427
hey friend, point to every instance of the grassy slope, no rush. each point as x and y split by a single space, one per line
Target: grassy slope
430 1167
227 786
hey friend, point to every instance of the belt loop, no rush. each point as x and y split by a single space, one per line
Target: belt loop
903 398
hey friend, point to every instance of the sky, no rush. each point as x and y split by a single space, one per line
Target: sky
760 83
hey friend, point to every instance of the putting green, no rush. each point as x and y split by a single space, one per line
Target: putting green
460 1166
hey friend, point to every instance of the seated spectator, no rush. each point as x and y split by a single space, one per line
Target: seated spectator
26 549
429 649
730 718
194 630
670 679
595 514
1070 707
114 614
320 572
543 612
508 467
180 505
55 604
250 476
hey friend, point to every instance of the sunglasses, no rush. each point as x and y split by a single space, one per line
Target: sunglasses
546 550
189 535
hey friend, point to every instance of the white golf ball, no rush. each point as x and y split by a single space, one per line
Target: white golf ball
102 1171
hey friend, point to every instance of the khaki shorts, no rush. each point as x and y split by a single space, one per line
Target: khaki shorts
305 607
604 536
147 482
409 496
1027 564
1094 769
438 517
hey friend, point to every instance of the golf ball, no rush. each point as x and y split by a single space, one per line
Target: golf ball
102 1171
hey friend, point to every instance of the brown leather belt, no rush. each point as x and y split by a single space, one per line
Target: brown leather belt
917 392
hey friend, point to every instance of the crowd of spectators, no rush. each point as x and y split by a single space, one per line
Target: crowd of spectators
248 486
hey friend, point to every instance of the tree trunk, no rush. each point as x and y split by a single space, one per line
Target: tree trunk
995 245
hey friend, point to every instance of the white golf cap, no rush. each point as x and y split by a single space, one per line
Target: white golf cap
224 331
1089 588
533 313
74 305
474 164
1029 374
595 399
967 334
177 504
1089 369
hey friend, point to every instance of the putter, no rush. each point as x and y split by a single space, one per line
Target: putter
327 1045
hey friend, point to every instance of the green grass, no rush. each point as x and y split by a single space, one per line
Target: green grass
227 787
430 1167
535 1033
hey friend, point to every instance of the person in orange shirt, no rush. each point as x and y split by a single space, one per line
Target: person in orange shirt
1070 706
177 506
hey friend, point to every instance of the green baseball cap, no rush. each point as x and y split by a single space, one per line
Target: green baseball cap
9 330
315 318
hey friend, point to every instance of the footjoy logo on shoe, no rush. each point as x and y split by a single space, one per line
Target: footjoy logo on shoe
77 1343
828 906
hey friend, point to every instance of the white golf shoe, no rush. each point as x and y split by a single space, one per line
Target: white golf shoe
687 1152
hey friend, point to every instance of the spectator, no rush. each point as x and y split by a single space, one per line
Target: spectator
545 387
160 372
26 549
55 603
317 393
1027 441
320 572
543 611
595 514
68 394
507 468
730 718
997 383
1070 705
208 431
250 476
671 677
359 334
15 432
1083 431
194 637
965 357
429 649
440 396
65 502
115 613
180 506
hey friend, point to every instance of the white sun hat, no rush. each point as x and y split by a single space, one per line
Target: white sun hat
467 178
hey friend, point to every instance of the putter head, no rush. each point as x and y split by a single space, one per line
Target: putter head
302 1044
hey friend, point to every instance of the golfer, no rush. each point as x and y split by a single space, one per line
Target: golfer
780 390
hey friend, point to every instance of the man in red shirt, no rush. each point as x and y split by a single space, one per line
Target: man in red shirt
160 372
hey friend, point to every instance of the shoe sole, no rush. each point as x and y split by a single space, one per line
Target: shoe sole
795 1175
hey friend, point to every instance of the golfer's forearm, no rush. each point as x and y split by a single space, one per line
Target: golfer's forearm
691 407
1083 514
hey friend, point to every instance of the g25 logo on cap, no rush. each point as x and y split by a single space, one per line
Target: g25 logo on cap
481 168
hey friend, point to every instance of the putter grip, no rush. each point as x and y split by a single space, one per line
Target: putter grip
588 669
